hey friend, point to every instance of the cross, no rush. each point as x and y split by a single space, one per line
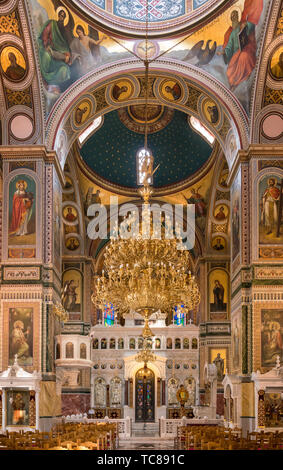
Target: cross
190 321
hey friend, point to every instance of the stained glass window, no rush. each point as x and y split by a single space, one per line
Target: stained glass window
179 315
109 314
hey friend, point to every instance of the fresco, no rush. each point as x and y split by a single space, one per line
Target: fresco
236 215
13 64
72 290
276 64
68 47
218 294
21 335
22 211
227 47
270 229
271 336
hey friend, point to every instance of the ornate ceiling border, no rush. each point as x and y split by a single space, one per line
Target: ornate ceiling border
137 28
235 116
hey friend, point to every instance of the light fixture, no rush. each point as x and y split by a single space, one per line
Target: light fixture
144 273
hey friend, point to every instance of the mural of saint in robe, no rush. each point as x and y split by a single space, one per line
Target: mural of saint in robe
239 47
22 211
271 336
270 229
218 294
21 335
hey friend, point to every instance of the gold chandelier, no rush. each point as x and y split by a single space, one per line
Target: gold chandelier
146 273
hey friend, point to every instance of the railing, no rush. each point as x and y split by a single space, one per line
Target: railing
124 425
168 427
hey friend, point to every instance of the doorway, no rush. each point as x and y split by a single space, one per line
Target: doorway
145 395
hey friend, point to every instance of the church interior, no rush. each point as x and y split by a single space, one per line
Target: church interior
141 219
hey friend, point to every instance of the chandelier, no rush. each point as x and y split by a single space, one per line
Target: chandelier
146 273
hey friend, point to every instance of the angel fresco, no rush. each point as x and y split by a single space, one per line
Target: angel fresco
87 48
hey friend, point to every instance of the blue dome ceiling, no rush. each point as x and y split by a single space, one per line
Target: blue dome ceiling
111 151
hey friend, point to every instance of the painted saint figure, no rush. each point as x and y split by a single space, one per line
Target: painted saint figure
14 71
219 362
197 199
269 206
54 52
70 295
22 209
218 293
175 91
20 345
239 47
277 69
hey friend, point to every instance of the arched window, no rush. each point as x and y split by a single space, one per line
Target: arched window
140 343
157 343
112 343
69 351
132 343
186 343
179 315
83 351
194 343
177 343
95 343
109 314
169 343
58 352
120 343
103 344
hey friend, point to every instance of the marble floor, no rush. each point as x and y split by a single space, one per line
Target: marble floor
145 441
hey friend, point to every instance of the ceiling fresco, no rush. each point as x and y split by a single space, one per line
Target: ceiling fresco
111 151
226 48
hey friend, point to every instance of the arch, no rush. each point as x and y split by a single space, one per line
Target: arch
95 343
67 101
186 343
112 343
69 350
194 343
83 351
103 343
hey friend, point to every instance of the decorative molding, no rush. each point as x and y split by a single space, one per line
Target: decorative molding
19 274
269 272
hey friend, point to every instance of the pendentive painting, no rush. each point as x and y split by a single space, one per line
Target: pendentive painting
22 211
270 224
271 336
21 335
218 294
